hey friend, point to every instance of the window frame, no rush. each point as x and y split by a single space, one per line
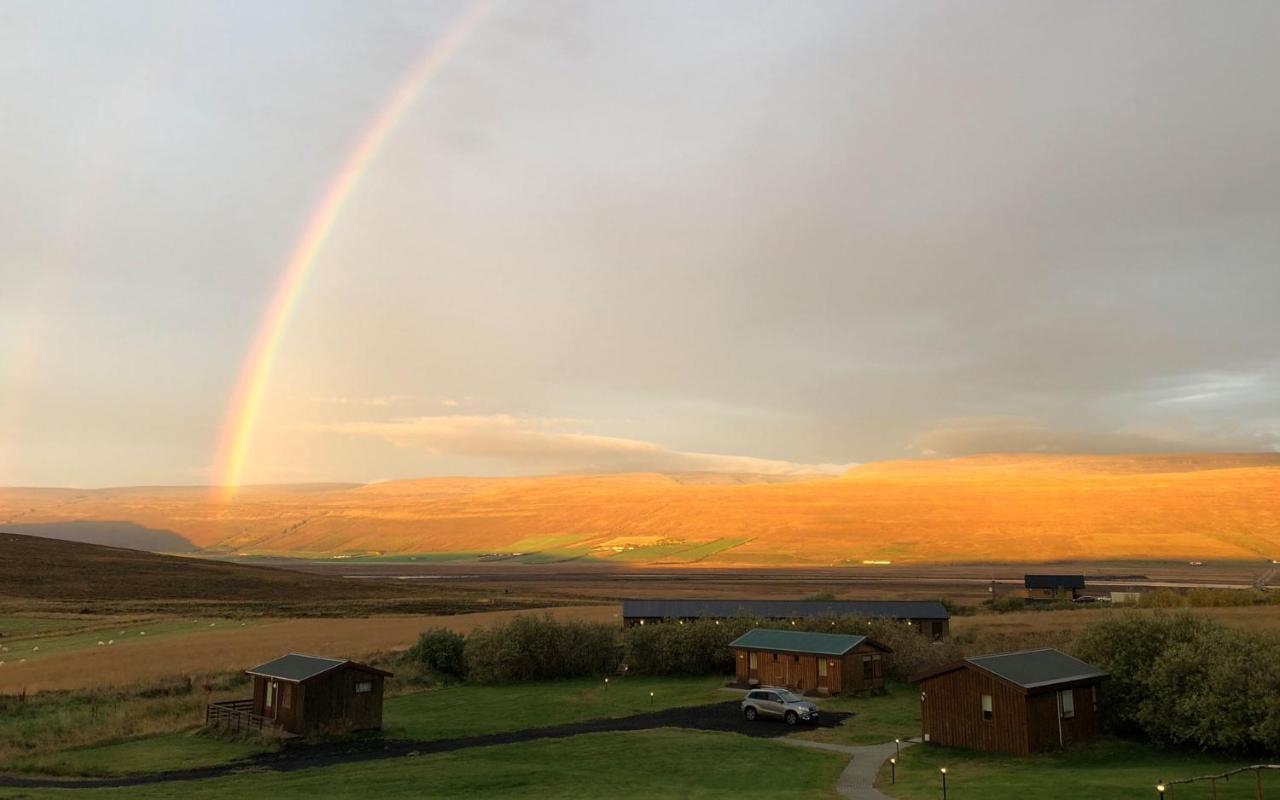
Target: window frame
988 708
1067 697
367 687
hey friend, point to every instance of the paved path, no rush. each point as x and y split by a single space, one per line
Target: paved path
857 782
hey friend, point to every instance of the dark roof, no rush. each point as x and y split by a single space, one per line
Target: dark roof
297 667
1028 669
1053 581
784 609
825 644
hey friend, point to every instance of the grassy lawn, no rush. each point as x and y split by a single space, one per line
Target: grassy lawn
879 718
1106 770
645 764
142 754
468 710
434 714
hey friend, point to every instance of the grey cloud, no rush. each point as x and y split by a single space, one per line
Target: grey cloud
537 443
1012 434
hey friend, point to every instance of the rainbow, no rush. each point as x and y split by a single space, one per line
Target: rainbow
246 401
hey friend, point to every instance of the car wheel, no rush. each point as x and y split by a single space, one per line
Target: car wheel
792 718
750 714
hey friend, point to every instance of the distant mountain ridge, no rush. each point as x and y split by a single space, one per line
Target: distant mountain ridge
1021 507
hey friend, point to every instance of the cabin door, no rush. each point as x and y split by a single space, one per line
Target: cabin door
272 700
824 671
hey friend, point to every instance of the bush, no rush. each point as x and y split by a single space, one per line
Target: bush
1163 598
699 647
440 651
1184 679
1007 603
532 648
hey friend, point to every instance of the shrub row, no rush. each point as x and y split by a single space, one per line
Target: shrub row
526 648
1185 679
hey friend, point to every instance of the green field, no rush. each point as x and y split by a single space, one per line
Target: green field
877 718
33 645
644 764
145 754
17 625
467 710
455 711
1106 770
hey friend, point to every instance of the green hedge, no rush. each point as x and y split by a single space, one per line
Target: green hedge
540 648
1179 678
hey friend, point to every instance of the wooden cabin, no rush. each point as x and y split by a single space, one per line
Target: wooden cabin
929 617
814 663
312 695
1021 703
1052 587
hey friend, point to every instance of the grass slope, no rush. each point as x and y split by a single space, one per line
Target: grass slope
1106 770
645 764
1003 508
38 568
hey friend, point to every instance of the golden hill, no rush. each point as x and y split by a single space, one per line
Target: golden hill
997 507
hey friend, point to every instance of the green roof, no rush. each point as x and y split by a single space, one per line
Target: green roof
825 644
296 667
1033 669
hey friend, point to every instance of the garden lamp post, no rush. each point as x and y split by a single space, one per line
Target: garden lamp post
650 698
943 770
893 770
897 747
1160 789
606 684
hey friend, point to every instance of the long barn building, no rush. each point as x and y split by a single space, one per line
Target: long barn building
930 617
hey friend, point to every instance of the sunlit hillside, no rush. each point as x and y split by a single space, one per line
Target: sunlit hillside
1017 507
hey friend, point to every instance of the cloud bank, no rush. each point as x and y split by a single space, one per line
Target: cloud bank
557 444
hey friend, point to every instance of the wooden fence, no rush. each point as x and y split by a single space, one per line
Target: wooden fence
1256 769
235 715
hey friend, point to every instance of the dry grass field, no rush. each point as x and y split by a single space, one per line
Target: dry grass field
1004 508
231 648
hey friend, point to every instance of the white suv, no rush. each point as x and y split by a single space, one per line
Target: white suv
769 701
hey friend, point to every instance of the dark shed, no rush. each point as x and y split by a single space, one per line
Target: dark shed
309 694
1020 703
819 663
1052 587
930 617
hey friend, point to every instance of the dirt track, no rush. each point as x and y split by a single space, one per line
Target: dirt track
725 717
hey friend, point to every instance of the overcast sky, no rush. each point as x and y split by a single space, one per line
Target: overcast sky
713 235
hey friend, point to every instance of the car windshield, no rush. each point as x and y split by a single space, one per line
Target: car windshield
788 697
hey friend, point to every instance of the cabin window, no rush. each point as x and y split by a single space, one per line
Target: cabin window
986 706
364 686
822 668
751 660
1095 698
286 696
796 659
775 656
271 694
1067 702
